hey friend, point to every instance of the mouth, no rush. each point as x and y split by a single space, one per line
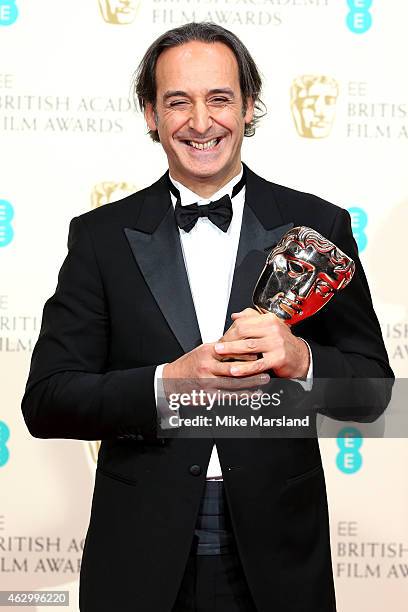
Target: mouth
203 147
291 308
287 305
321 124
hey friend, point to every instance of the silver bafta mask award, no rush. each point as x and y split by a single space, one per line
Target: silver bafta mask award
301 275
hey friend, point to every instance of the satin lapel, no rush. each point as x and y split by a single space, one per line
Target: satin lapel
159 256
254 245
262 228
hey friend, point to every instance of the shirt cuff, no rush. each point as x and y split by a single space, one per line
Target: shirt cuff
308 383
164 412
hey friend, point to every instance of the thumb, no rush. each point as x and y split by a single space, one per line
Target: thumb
243 313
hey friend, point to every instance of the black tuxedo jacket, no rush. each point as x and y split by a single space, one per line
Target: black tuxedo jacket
123 305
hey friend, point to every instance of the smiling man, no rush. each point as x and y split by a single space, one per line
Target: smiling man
200 126
157 288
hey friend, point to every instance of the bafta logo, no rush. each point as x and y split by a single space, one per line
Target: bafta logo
108 192
301 275
313 104
119 12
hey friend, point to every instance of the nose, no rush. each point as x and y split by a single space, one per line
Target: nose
200 120
304 284
320 106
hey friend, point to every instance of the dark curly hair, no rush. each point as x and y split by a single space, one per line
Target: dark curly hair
144 88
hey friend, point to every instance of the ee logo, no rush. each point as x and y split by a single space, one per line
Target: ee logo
349 458
6 215
4 436
359 221
8 12
359 18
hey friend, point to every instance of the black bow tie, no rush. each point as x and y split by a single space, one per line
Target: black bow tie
219 212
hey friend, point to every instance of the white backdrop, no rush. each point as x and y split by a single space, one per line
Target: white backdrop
70 141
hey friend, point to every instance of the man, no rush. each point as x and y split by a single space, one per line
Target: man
140 299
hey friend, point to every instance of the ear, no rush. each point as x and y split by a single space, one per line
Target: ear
249 114
149 117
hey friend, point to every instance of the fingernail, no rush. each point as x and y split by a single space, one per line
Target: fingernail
264 377
219 346
234 370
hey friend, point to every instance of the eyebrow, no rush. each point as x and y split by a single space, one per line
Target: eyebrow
173 93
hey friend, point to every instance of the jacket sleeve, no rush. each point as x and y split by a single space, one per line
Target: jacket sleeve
69 392
350 362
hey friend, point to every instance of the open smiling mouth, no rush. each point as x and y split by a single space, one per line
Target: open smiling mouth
209 145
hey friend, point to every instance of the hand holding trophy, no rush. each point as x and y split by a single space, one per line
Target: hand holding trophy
301 275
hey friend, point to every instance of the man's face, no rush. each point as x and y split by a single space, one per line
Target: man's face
119 11
199 103
297 282
316 107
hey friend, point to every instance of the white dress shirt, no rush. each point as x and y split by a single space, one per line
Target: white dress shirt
209 256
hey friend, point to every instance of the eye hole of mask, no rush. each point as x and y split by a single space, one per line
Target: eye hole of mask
295 267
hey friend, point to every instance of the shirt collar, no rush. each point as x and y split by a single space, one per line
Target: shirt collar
189 197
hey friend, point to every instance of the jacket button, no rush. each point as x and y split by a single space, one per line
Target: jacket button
195 470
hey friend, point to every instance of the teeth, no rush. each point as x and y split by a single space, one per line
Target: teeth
205 145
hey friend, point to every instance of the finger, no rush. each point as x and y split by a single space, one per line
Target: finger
223 354
244 357
234 332
228 383
248 346
250 368
243 313
223 368
264 326
239 357
245 327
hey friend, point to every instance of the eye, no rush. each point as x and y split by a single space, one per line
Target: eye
218 100
178 103
295 267
309 101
